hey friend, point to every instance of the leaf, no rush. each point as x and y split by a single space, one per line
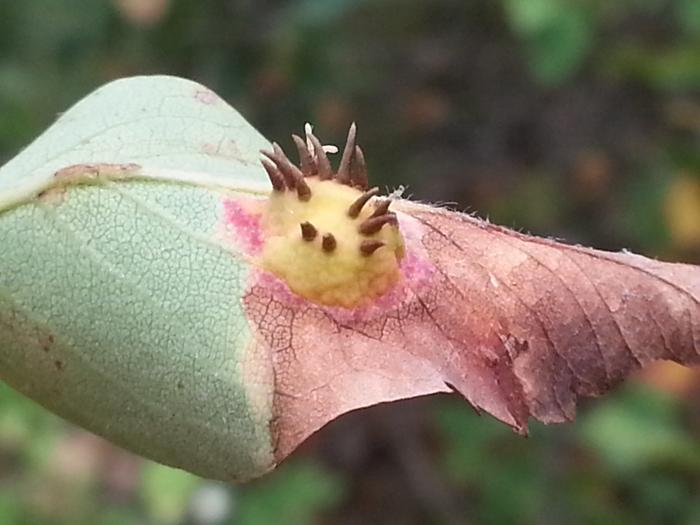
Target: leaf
520 326
120 292
155 291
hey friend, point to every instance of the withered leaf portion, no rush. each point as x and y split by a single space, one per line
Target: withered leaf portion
520 326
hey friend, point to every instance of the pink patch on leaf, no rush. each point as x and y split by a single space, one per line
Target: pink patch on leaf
246 225
206 96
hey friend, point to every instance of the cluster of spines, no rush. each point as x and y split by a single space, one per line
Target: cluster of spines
314 162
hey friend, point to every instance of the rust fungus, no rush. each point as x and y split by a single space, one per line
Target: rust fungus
356 207
358 170
293 177
369 246
306 161
308 231
274 174
303 191
381 209
374 224
343 175
323 165
311 198
329 243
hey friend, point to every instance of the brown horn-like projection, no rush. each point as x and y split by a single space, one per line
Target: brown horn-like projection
308 231
328 242
369 246
374 224
292 175
356 207
325 171
382 208
275 175
306 161
343 174
358 170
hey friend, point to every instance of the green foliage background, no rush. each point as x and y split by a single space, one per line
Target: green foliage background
575 119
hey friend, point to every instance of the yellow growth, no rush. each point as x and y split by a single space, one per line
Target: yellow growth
344 277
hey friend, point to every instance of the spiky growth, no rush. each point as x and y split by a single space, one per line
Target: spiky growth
327 235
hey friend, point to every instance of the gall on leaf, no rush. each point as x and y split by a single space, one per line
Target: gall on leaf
411 299
167 286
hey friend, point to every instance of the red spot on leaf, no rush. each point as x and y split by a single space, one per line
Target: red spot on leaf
209 149
241 216
205 96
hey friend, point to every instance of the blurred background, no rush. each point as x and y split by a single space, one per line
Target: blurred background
572 119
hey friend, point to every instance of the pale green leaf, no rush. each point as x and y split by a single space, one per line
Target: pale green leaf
120 293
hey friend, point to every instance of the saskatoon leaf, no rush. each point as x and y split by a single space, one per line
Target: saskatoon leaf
520 326
120 286
158 290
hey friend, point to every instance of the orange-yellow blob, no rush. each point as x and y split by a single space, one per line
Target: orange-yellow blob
341 277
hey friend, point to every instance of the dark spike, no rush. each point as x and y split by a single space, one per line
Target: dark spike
374 224
276 177
328 243
306 161
303 190
381 209
325 171
279 164
369 246
356 207
358 170
292 174
308 231
343 174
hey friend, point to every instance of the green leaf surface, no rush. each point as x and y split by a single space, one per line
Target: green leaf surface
118 284
172 128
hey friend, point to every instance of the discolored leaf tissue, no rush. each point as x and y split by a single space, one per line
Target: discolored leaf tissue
162 287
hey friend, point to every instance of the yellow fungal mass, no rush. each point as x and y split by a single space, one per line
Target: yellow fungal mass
344 276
